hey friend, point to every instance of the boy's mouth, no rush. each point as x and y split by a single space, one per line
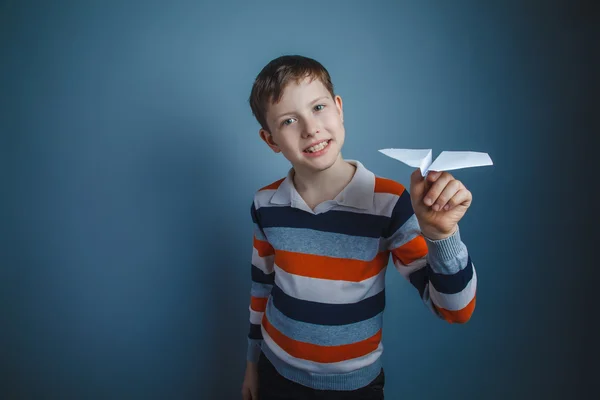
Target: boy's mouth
317 147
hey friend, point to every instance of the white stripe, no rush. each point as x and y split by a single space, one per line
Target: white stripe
322 368
255 316
406 270
456 301
265 264
328 291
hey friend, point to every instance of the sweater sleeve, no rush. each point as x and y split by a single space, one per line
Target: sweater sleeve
262 278
441 270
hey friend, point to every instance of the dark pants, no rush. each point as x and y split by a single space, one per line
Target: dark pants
273 386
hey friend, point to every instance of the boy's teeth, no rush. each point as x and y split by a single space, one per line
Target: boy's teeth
318 147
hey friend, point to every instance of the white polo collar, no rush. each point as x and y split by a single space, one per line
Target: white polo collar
359 192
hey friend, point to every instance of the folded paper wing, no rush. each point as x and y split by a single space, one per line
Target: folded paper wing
446 161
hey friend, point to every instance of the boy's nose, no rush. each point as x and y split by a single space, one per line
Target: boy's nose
311 128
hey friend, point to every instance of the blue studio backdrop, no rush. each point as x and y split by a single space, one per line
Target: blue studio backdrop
130 157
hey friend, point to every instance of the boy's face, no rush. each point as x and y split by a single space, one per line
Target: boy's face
306 126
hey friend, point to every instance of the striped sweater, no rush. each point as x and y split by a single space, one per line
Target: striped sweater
318 278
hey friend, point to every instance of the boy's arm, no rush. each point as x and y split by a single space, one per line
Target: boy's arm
262 278
441 270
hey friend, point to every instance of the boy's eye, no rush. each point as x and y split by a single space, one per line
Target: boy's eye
319 107
288 121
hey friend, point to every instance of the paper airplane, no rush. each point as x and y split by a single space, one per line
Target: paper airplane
446 161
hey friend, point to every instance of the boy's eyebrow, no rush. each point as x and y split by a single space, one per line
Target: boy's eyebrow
317 99
311 103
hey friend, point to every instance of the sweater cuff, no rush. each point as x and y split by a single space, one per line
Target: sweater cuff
446 255
254 350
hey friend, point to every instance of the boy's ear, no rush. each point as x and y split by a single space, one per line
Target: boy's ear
268 139
339 105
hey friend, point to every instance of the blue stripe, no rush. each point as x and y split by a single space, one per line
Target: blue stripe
320 243
255 332
260 277
257 225
353 380
323 335
344 222
253 213
402 212
407 232
259 233
451 284
260 289
327 314
419 279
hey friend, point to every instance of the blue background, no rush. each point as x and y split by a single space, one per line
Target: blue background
130 157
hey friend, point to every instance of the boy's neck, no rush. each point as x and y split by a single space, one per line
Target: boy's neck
316 187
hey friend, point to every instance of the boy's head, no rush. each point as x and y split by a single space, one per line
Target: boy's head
276 75
300 116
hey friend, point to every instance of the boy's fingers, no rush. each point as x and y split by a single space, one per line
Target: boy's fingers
436 188
255 394
417 184
463 196
432 176
448 193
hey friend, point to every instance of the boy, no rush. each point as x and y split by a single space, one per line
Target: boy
322 240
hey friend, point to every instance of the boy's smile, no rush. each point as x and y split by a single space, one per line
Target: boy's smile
317 149
306 125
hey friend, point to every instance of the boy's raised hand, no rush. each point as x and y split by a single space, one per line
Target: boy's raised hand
439 202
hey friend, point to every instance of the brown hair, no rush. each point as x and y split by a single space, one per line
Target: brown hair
273 78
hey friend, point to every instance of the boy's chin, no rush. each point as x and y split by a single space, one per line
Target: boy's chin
317 164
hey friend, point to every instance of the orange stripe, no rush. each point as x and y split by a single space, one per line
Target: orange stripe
384 185
323 267
460 316
258 304
322 354
264 248
411 251
272 186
